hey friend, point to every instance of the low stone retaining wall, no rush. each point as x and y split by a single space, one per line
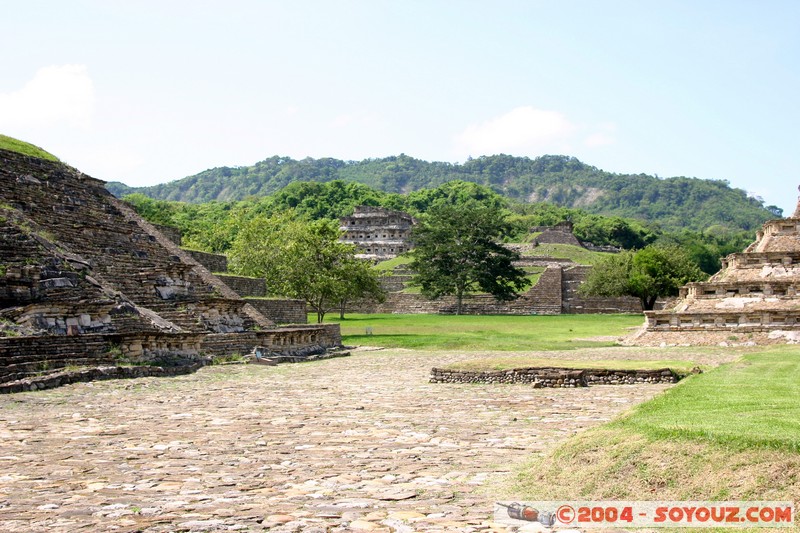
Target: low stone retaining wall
212 262
245 286
93 374
286 340
281 311
552 377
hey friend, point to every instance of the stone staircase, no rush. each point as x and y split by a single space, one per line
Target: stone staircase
83 279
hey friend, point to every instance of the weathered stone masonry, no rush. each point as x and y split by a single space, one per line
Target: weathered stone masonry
755 297
85 280
377 232
554 377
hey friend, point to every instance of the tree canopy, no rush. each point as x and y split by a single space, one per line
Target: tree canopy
303 259
456 251
647 274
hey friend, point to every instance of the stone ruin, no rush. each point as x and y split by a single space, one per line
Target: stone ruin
561 233
379 233
85 281
754 298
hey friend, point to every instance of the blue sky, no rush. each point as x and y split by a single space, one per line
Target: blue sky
145 92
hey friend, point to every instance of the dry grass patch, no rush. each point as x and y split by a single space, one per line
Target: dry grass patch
732 433
610 464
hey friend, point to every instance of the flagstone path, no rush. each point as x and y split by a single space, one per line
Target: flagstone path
361 443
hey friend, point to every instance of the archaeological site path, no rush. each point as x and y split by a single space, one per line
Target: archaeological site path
362 442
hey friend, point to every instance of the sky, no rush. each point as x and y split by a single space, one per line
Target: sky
146 92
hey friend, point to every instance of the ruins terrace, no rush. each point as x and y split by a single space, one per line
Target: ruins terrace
754 298
85 281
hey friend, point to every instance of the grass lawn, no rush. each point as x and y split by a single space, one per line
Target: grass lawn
579 254
488 333
730 433
14 145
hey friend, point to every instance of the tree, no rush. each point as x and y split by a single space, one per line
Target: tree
647 274
456 251
361 281
300 259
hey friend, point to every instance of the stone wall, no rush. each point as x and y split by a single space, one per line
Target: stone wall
66 377
554 236
170 232
556 377
245 286
212 262
575 303
544 298
281 311
87 282
22 357
285 340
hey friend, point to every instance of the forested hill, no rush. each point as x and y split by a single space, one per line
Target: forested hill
672 202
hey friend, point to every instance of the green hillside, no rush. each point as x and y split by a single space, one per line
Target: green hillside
14 145
673 203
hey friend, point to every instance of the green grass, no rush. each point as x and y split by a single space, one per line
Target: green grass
730 433
390 264
21 147
579 254
490 333
520 361
753 402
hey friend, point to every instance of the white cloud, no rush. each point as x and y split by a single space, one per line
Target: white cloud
55 95
520 131
530 131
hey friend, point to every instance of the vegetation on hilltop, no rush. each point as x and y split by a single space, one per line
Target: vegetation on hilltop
672 203
213 226
21 147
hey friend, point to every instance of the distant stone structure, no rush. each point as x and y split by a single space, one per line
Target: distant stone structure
378 233
556 292
85 281
755 298
561 233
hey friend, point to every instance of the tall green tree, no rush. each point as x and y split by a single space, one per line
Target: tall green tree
457 251
361 282
300 259
647 274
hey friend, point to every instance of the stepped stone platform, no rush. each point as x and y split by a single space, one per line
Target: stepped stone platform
754 298
278 310
556 292
85 281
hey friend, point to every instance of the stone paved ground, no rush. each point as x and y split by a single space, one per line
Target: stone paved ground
358 443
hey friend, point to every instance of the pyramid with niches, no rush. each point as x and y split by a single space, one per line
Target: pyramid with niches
754 298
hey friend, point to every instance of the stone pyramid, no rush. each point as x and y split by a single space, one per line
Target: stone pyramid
754 298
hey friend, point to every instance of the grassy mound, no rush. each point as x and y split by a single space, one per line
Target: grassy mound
21 147
731 433
579 254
